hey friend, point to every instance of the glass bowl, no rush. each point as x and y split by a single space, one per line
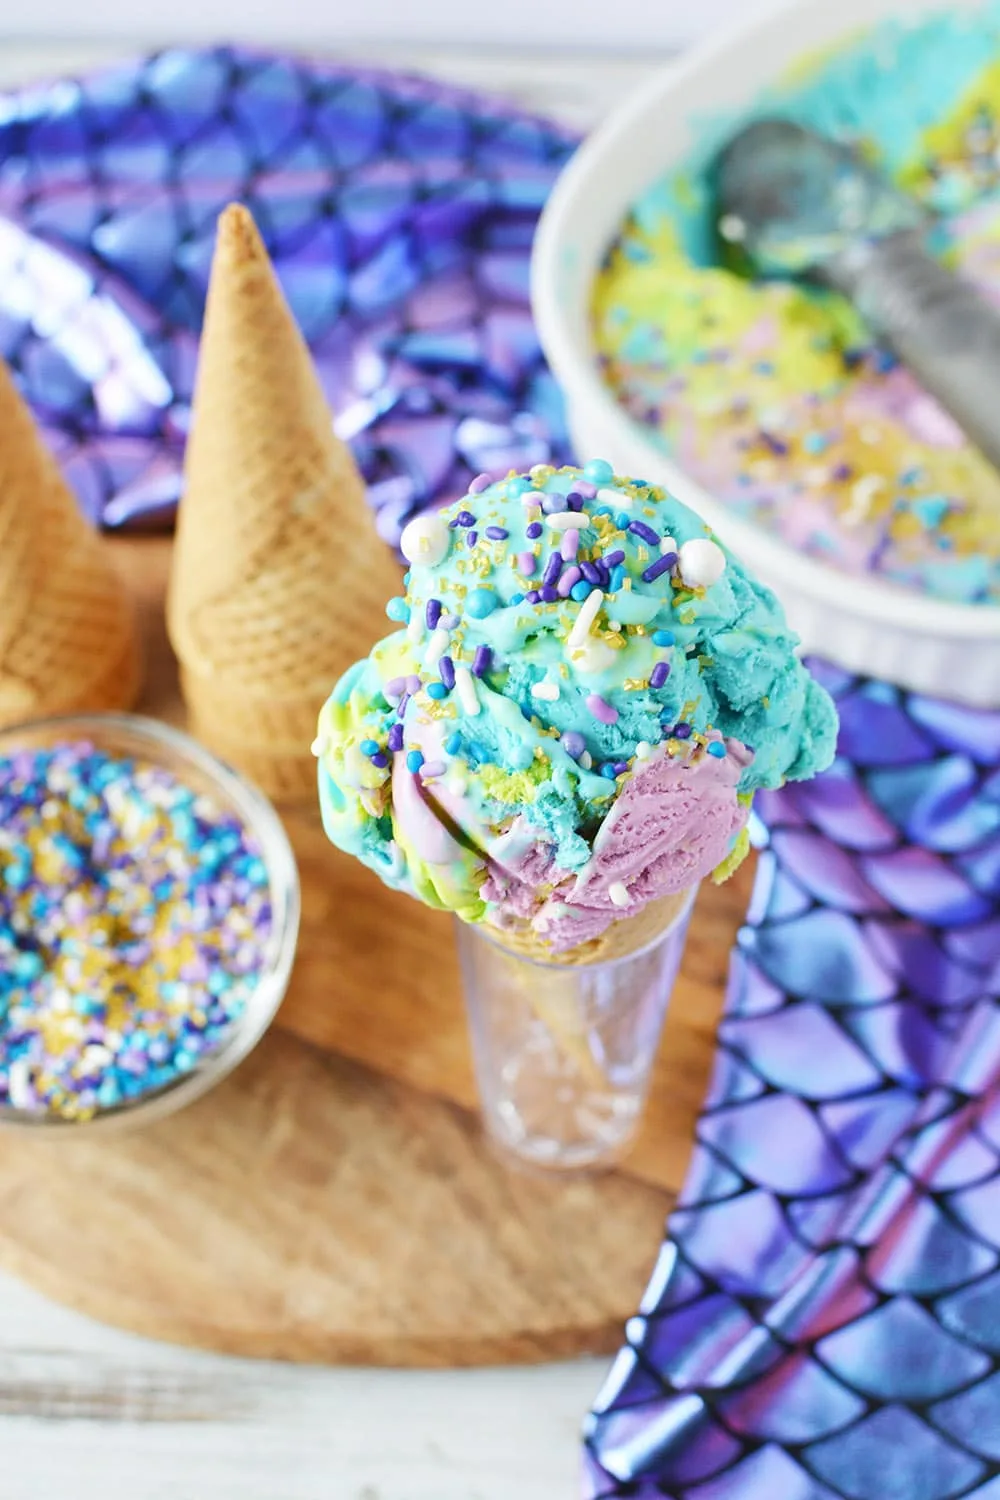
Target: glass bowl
169 749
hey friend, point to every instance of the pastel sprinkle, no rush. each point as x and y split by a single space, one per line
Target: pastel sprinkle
534 531
453 744
466 689
640 529
554 503
716 748
481 602
580 590
480 483
394 739
425 540
663 637
659 674
602 710
497 533
533 596
432 768
643 750
413 683
567 520
370 747
668 544
395 688
526 563
481 662
570 544
573 743
436 647
662 565
414 760
397 609
589 610
585 488
618 894
598 471
437 690
447 669
548 691
567 582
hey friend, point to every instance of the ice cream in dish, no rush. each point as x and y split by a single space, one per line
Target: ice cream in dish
583 693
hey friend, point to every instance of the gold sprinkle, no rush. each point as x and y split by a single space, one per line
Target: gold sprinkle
636 684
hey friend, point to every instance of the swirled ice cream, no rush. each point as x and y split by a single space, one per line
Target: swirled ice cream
584 692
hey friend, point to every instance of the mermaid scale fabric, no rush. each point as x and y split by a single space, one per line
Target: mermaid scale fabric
824 1319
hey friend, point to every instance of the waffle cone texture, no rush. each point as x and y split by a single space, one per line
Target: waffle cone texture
627 935
278 580
68 642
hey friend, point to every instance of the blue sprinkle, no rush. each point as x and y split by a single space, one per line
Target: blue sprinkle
598 471
623 520
414 760
517 598
437 690
580 590
481 602
518 486
718 749
369 747
608 770
815 442
398 609
663 637
453 744
617 579
497 533
552 504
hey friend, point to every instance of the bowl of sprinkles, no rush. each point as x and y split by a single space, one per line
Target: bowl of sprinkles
149 909
767 406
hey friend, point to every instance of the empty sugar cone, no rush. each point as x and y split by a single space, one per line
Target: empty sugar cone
278 579
67 634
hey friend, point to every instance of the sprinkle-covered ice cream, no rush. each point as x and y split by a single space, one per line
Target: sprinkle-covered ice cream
584 691
773 395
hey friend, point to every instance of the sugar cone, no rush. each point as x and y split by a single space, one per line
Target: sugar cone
279 580
67 636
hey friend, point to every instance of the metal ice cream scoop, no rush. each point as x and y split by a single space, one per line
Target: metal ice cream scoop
802 205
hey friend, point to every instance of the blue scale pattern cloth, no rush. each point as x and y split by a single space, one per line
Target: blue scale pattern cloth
824 1318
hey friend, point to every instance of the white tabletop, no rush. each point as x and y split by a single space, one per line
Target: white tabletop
89 1413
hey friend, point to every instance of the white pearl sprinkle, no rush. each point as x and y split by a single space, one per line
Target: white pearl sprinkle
547 690
425 541
702 562
615 499
586 760
643 750
619 894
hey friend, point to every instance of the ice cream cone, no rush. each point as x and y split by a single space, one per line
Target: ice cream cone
279 578
67 636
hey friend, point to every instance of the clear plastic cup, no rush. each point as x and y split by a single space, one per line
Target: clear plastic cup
564 1052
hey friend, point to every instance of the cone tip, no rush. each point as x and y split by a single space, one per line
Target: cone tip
238 238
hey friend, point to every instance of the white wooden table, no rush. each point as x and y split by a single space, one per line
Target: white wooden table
93 1414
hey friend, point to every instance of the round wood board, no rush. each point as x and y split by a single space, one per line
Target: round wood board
334 1199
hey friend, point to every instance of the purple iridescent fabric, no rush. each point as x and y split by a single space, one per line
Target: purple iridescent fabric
824 1317
399 214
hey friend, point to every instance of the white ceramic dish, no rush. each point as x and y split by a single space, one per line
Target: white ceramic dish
931 646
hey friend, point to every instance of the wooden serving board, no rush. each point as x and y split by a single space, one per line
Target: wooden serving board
334 1200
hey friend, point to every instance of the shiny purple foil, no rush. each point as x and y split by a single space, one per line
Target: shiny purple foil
399 214
824 1316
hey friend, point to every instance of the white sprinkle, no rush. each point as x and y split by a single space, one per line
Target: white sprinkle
643 750
436 647
457 784
415 629
425 540
862 495
615 499
586 760
732 228
615 625
450 622
532 497
465 687
567 520
593 656
668 544
619 894
589 610
22 1095
547 690
320 745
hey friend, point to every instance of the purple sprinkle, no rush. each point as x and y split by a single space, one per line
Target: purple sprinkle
453 523
533 596
661 565
402 704
552 568
842 471
590 572
775 444
601 708
432 768
570 543
549 594
657 676
534 531
395 688
394 738
413 683
682 732
574 500
613 559
497 533
482 661
573 743
465 518
432 613
380 759
585 488
480 483
472 537
526 563
620 767
553 504
639 528
571 576
447 669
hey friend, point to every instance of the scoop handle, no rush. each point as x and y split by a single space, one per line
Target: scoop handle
937 323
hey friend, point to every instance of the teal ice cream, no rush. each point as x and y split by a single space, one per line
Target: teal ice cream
583 694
